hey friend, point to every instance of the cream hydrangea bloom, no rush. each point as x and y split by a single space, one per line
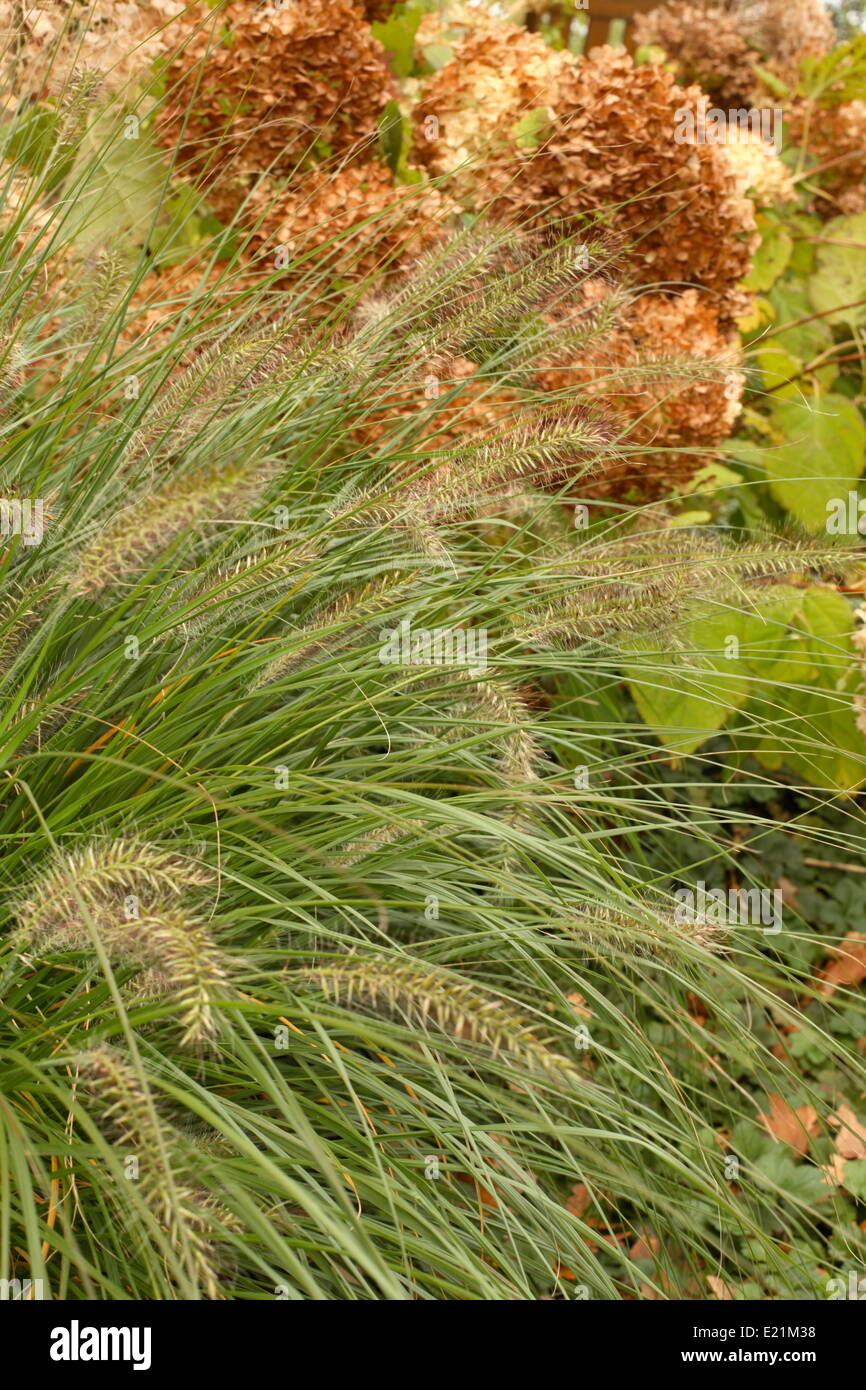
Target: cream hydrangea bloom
119 38
756 167
486 91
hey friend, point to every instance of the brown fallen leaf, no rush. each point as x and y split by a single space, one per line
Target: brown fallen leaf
848 967
834 1171
851 1139
792 1127
645 1247
580 1006
789 891
579 1200
720 1288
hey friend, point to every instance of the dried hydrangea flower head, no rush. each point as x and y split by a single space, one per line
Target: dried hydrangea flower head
257 88
639 374
356 218
120 38
583 138
836 134
784 31
717 44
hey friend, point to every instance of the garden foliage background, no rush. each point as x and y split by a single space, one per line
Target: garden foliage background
335 974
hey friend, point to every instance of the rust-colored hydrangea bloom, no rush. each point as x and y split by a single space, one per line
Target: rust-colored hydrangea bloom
270 87
716 44
659 401
472 407
117 38
784 31
376 10
589 137
838 134
357 217
705 43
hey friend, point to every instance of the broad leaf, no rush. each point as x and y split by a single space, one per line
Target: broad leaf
838 286
818 456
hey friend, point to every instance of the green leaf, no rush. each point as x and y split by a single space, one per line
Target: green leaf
437 54
649 53
710 479
817 734
749 1140
840 279
396 34
391 134
818 457
771 257
778 369
790 303
125 190
800 1180
854 1178
802 227
787 664
784 353
684 701
838 76
532 128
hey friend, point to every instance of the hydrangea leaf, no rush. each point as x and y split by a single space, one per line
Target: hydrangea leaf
819 455
838 286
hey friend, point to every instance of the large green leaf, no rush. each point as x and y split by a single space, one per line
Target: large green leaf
685 698
838 286
816 732
785 352
790 301
397 36
817 456
771 257
785 669
124 191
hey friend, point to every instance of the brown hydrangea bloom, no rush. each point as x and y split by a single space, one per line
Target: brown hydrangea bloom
469 107
838 133
268 87
639 373
120 38
358 217
607 149
472 407
376 10
162 297
716 44
705 43
784 31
